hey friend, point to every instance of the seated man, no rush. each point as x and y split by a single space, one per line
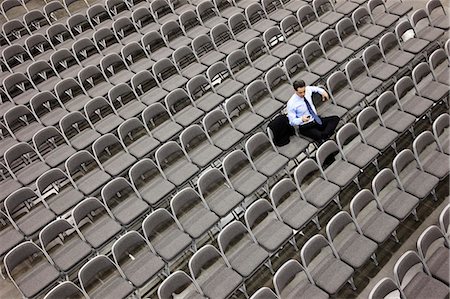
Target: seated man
302 113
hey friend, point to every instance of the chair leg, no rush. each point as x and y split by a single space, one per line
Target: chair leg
414 212
269 265
374 259
433 192
394 234
243 289
352 283
394 146
356 180
294 243
338 202
375 163
316 221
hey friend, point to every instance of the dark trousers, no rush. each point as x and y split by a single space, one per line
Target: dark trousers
320 132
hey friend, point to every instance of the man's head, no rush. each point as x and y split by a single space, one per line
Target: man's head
299 87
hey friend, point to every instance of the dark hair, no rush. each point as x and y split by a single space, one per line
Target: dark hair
299 84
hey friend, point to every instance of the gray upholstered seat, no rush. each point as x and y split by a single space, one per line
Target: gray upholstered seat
429 156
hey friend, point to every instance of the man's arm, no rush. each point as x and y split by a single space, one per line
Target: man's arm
293 119
322 91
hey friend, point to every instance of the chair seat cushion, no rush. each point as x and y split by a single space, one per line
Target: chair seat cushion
341 173
422 285
271 234
439 264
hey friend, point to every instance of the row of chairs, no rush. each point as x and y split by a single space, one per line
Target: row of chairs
423 272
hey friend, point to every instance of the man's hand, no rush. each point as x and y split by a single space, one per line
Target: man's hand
325 96
305 118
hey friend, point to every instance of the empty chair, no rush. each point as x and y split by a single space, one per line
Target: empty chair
106 41
52 147
174 35
326 12
373 132
241 251
292 5
438 20
19 88
159 123
269 231
440 131
59 36
240 28
111 155
8 184
227 9
22 123
275 10
118 8
25 163
309 22
259 55
261 100
62 244
359 78
435 257
198 147
28 212
135 57
263 155
162 12
165 236
393 52
371 218
348 242
380 14
43 76
181 108
101 278
223 39
315 60
332 47
296 70
221 281
222 80
418 282
408 43
203 94
391 115
292 281
394 200
77 130
135 138
408 99
187 62
156 46
39 47
147 88
428 155
115 69
348 35
125 101
241 115
144 20
175 164
17 58
56 12
257 18
77 9
65 64
220 131
85 172
411 178
101 115
192 213
99 16
122 202
313 187
135 259
427 86
168 75
219 197
205 50
191 25
178 283
384 289
64 194
293 33
79 26
240 67
377 65
8 5
94 81
278 84
147 179
290 207
399 8
277 44
339 172
324 266
240 173
353 148
439 65
35 279
208 14
36 22
66 289
422 26
364 24
15 32
341 92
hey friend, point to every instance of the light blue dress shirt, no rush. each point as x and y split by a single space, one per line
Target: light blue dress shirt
296 107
